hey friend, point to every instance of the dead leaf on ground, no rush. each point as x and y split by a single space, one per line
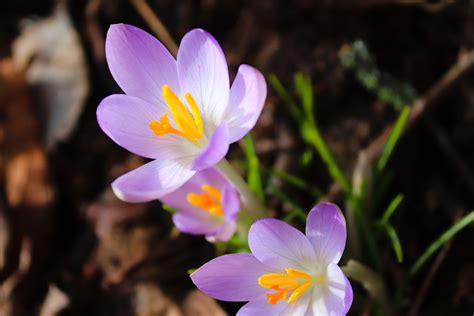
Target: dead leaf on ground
50 52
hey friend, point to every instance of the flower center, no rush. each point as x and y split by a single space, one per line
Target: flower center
209 200
295 281
189 125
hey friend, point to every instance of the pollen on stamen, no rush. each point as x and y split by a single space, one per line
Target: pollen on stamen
161 127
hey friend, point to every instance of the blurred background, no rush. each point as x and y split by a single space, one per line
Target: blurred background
68 246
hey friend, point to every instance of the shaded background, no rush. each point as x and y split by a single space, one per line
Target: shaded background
69 247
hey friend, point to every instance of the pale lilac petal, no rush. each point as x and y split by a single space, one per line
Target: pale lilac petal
335 298
196 222
247 96
299 307
260 306
326 229
202 71
151 181
280 245
225 232
215 149
230 202
126 120
139 63
231 277
348 297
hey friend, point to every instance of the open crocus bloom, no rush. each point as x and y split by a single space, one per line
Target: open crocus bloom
182 113
206 205
287 273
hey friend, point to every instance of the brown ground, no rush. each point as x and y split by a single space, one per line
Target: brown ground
61 225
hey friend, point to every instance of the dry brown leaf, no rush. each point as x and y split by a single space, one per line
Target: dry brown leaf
55 301
50 52
198 304
149 300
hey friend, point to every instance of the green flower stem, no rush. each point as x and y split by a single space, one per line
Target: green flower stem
253 208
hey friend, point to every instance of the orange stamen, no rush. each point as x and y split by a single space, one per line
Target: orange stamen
189 125
293 280
209 200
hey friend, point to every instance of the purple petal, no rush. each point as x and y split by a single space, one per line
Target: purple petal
139 63
260 306
196 222
202 71
280 246
348 296
231 277
215 149
126 119
224 233
151 181
230 202
247 96
336 298
326 229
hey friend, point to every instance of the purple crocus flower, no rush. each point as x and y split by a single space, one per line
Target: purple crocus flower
207 204
180 112
287 273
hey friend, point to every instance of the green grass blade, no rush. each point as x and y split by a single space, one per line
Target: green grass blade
296 210
396 245
308 126
305 90
447 235
286 97
393 139
254 176
296 182
392 207
320 145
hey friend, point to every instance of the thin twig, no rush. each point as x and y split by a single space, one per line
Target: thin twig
432 272
155 24
422 104
428 6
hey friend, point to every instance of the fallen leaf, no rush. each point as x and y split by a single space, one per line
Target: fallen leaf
50 52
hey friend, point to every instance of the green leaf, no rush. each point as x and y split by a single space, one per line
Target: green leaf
393 139
392 207
254 177
305 90
329 160
308 127
296 210
297 182
446 236
168 208
396 245
286 97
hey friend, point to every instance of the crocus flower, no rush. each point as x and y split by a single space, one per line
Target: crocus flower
207 204
180 112
287 273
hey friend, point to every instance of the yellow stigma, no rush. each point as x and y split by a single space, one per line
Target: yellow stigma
294 280
209 200
189 124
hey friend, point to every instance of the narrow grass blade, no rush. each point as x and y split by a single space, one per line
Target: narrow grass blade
396 245
393 139
297 182
286 97
305 90
392 207
318 142
296 210
447 235
254 177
